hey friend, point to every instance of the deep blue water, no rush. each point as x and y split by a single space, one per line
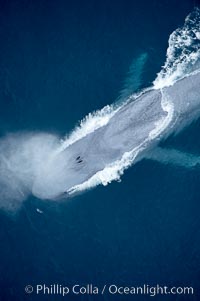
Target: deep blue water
60 60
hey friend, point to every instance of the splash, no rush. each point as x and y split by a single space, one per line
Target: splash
183 52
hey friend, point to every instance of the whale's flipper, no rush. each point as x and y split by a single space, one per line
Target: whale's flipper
174 157
133 80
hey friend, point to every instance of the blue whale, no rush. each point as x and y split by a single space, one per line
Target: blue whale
133 132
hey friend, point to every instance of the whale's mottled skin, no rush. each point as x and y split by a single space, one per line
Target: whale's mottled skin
134 124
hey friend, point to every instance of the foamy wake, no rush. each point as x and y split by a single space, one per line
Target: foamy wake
183 52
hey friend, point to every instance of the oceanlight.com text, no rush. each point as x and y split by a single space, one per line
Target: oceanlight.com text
109 289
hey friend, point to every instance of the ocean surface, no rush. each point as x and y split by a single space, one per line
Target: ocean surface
59 61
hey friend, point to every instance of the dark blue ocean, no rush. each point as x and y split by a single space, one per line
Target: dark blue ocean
60 60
